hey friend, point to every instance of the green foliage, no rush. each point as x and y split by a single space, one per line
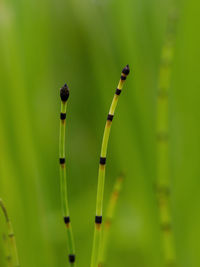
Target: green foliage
86 43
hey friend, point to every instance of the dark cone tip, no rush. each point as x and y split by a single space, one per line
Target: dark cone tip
126 70
64 93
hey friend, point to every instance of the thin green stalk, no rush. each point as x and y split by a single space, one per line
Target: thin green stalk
163 169
108 220
11 236
7 251
102 165
64 95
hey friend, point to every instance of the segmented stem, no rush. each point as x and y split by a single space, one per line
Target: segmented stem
12 242
163 172
7 251
64 94
108 220
102 165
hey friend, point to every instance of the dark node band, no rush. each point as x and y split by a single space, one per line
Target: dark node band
164 190
126 70
62 160
162 93
11 234
64 93
102 161
98 219
166 227
8 257
123 77
170 263
67 220
62 116
71 258
165 63
110 117
162 136
118 91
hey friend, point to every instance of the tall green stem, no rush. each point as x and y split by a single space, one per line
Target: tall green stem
163 169
108 220
11 236
7 251
102 165
64 94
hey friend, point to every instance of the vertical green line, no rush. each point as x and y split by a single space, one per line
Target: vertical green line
64 95
102 165
7 251
11 236
108 220
163 168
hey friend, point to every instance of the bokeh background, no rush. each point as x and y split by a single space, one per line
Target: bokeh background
86 43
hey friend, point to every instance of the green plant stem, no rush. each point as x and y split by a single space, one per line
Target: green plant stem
163 169
64 94
101 175
7 251
108 220
11 236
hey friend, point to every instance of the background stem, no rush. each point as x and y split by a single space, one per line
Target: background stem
11 236
108 220
163 168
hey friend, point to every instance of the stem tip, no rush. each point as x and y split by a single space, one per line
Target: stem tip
126 70
64 93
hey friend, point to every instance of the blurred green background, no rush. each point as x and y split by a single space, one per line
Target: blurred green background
86 43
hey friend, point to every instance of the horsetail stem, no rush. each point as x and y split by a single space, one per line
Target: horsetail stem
64 95
102 165
7 251
163 172
108 220
11 236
